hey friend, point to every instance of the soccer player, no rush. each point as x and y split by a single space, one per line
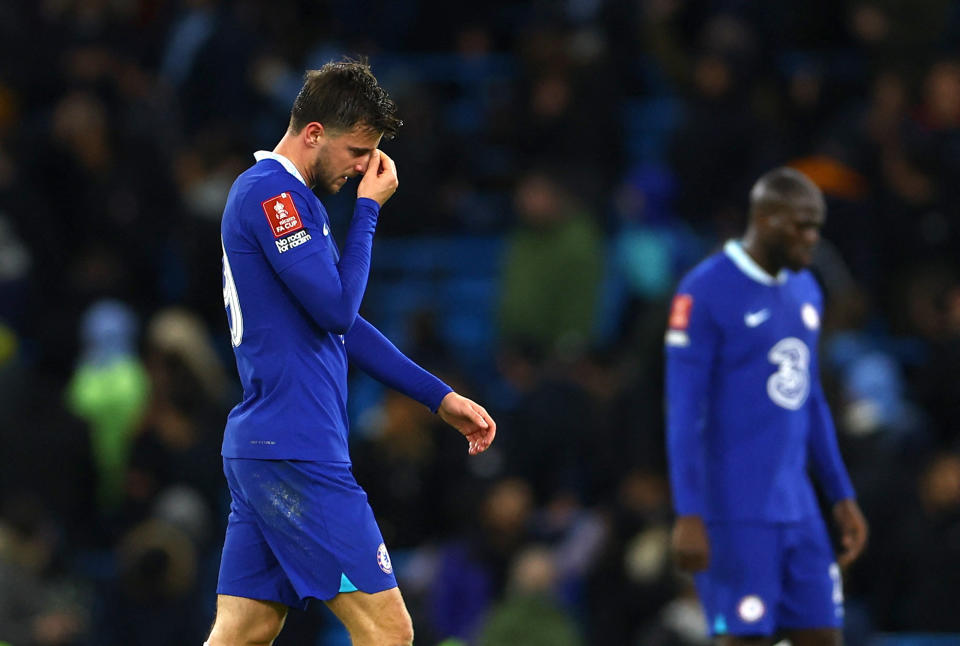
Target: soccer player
746 417
300 526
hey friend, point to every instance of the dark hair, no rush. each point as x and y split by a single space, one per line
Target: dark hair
342 96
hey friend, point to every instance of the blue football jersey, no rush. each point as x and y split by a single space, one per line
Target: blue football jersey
746 414
293 370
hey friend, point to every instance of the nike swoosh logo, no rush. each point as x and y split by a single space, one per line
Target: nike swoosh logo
753 319
326 229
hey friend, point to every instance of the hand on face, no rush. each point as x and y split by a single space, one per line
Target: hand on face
342 155
380 179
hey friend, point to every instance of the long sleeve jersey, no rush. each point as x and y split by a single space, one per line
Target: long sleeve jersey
746 414
292 302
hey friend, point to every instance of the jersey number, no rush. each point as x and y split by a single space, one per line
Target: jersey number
789 386
232 302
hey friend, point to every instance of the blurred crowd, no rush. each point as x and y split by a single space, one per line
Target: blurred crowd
579 156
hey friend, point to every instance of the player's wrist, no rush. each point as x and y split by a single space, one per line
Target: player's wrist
368 203
446 395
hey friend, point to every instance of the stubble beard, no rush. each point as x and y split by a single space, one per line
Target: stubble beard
320 177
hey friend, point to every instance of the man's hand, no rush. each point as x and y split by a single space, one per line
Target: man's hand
471 419
690 544
853 530
380 180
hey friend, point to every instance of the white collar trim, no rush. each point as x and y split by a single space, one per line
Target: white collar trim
260 155
735 251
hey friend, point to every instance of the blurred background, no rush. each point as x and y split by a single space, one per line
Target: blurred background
562 164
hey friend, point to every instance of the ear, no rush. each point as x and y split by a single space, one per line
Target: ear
313 133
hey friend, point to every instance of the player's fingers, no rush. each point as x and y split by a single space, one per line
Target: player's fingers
691 561
478 440
483 443
844 559
487 420
702 561
853 546
479 420
390 170
856 549
490 433
854 541
488 437
373 166
486 430
691 564
387 162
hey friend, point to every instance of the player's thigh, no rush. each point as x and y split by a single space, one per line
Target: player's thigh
249 568
812 598
379 618
246 621
318 525
741 589
815 637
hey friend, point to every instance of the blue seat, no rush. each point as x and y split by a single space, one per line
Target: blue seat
649 124
454 277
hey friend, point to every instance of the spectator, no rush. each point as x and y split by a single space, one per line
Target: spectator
109 390
35 608
530 615
552 267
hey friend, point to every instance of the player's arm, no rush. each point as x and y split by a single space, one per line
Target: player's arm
691 341
373 353
828 468
330 292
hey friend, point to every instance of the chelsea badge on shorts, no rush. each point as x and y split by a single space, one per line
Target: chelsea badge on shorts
751 609
383 559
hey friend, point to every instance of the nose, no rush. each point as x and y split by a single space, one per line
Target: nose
364 163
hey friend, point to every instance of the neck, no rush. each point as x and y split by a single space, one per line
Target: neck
760 255
289 147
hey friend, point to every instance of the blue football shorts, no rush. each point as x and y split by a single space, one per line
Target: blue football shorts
299 530
768 577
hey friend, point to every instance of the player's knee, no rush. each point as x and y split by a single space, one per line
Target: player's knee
255 635
405 637
259 631
263 633
398 632
400 636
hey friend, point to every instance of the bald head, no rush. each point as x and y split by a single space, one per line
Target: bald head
783 187
787 211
